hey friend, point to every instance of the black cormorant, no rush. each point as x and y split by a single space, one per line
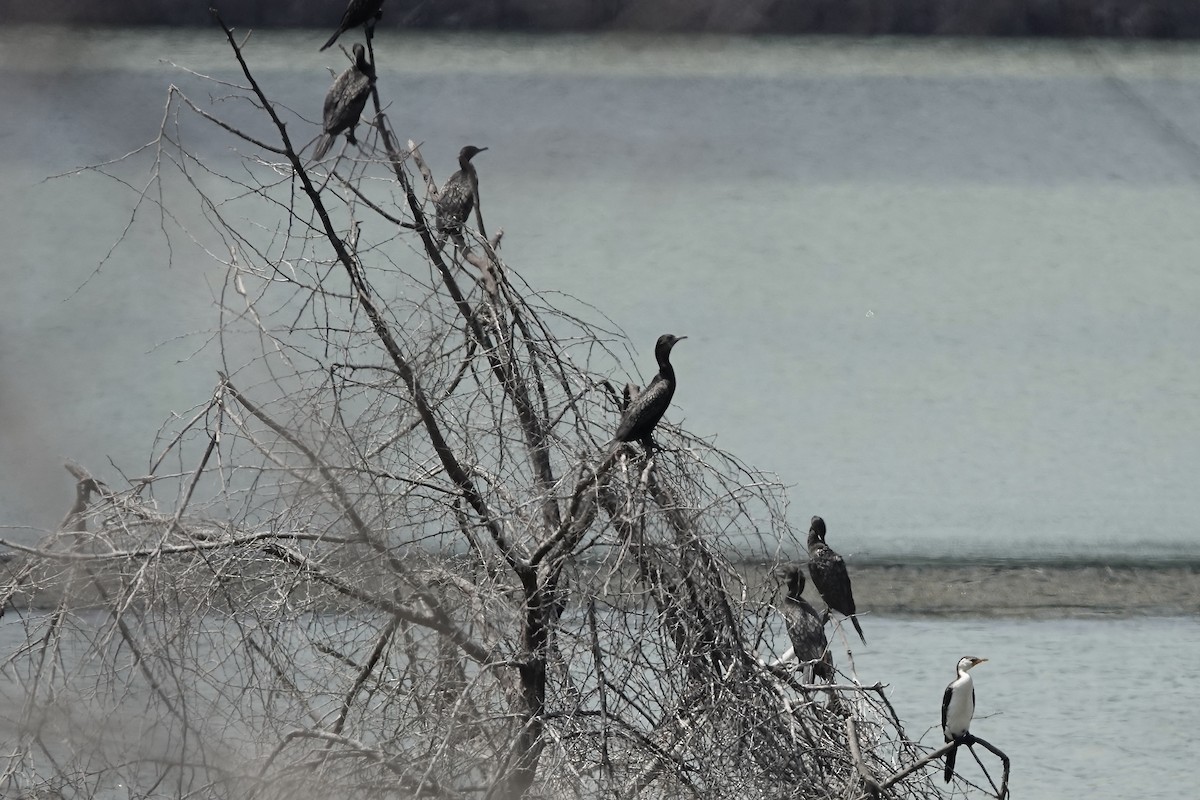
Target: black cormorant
457 197
958 707
345 101
646 409
358 12
806 629
829 575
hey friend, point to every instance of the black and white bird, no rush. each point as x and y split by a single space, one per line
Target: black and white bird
459 195
345 101
647 408
358 12
829 575
958 707
806 629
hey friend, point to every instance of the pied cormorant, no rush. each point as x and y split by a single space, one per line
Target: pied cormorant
958 706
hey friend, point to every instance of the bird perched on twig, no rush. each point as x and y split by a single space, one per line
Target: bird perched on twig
647 408
829 575
459 194
358 12
345 101
958 707
806 629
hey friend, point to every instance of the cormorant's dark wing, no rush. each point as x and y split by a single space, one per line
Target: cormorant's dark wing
948 772
805 630
945 710
454 202
808 636
645 411
828 572
344 104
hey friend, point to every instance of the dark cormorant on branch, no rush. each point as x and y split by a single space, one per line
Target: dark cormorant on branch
958 707
358 12
458 196
646 409
829 575
345 101
806 629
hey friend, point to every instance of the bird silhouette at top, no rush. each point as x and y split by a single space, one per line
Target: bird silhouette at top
828 572
648 406
459 195
358 12
345 101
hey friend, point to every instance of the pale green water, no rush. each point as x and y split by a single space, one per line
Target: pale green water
949 291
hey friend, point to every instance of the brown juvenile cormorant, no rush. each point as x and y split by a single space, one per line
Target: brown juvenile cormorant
829 575
646 409
345 101
958 707
457 197
806 629
358 12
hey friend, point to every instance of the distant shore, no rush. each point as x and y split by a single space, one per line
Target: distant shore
932 589
1027 590
1067 18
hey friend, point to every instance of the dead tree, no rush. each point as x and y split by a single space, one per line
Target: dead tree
395 553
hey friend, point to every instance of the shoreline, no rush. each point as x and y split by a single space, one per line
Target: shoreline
1026 590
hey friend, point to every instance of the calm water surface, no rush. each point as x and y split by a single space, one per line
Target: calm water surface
948 291
1070 701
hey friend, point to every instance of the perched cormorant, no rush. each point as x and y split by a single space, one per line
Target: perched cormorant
958 706
358 12
457 197
806 629
345 101
829 575
646 409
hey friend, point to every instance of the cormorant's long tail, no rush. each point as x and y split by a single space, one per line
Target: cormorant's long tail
858 628
332 39
324 142
949 771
